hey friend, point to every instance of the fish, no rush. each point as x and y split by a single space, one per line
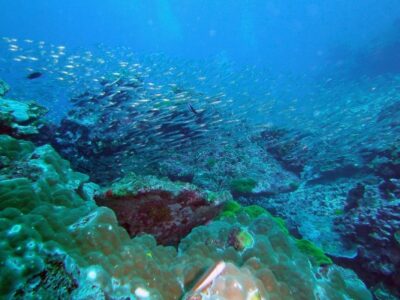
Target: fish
160 102
34 75
192 109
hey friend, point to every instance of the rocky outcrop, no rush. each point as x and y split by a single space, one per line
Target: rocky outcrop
20 119
375 232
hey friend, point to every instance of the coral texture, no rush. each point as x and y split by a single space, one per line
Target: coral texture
167 217
55 238
373 231
20 119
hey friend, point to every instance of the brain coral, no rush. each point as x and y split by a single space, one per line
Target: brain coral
57 243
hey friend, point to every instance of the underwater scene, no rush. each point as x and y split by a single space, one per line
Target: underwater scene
200 149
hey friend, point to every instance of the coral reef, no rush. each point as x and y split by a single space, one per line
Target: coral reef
354 197
352 217
176 170
373 231
20 119
232 208
386 163
345 204
323 173
57 241
275 260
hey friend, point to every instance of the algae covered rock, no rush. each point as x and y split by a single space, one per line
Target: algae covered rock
243 167
167 210
133 184
243 185
167 217
20 119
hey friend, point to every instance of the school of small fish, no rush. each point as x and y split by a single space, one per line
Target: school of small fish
157 102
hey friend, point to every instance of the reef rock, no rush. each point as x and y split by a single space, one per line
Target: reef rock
375 231
232 167
167 210
285 146
386 163
20 119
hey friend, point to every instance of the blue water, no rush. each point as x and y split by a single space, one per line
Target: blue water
297 36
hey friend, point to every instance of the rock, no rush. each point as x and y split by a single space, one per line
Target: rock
167 217
176 170
386 162
390 189
285 146
374 231
167 210
20 119
354 197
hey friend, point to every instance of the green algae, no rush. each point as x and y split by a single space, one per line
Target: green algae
311 250
245 239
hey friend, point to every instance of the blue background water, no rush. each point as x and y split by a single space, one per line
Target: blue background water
298 36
